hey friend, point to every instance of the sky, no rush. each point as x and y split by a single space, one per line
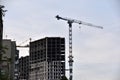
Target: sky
96 51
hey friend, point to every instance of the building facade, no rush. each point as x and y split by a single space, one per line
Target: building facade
24 68
10 59
47 59
16 70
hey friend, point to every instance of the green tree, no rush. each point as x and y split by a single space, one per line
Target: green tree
64 78
2 49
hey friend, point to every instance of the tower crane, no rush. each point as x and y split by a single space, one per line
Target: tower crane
25 46
70 21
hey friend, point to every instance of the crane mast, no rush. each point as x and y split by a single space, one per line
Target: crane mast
70 21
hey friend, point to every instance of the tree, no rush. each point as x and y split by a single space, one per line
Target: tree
3 76
64 78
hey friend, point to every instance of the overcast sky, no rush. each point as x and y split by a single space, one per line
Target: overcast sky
96 51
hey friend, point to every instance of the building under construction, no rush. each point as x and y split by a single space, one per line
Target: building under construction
24 68
47 59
